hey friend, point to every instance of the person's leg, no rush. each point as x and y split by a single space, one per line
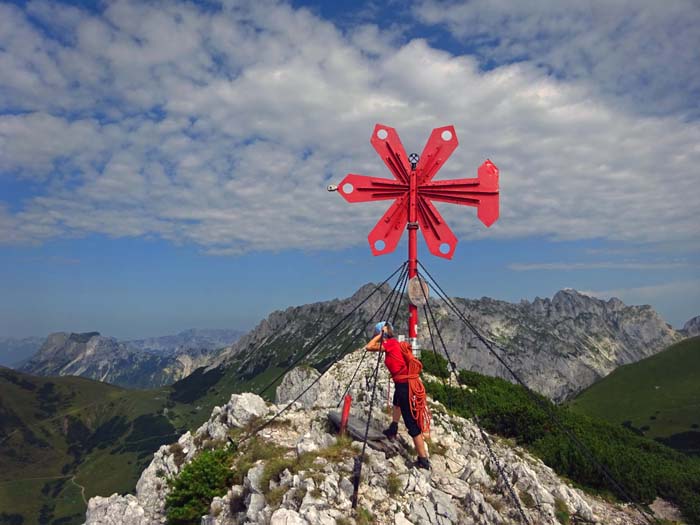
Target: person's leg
419 444
393 429
396 414
414 431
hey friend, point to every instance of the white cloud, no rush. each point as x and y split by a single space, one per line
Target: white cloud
223 128
642 52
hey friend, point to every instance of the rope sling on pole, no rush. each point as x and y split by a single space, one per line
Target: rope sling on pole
540 403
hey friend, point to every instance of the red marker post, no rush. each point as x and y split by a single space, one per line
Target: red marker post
345 415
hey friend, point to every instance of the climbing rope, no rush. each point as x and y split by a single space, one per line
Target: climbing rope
536 399
416 390
340 354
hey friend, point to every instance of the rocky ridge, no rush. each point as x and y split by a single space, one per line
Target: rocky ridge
460 488
193 338
14 350
692 327
105 359
558 346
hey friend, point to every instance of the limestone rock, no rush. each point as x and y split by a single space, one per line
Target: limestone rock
116 510
317 491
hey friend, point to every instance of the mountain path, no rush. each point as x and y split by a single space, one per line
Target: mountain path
82 489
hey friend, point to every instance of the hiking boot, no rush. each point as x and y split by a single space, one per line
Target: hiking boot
392 431
422 463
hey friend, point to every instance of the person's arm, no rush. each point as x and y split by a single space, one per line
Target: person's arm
375 344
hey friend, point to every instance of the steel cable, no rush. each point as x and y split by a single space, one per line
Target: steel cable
536 399
485 438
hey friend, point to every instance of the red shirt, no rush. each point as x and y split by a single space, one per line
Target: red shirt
394 359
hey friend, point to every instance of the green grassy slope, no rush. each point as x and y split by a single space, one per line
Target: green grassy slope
658 396
58 434
644 468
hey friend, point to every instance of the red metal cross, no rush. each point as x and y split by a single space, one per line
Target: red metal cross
413 191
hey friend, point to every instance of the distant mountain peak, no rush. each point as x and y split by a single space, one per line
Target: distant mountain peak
83 337
692 327
141 364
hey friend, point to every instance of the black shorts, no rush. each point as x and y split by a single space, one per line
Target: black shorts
401 401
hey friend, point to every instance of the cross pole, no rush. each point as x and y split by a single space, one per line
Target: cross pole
413 191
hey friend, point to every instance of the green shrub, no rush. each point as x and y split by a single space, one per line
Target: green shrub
561 511
363 516
273 497
393 484
208 475
645 469
252 450
434 364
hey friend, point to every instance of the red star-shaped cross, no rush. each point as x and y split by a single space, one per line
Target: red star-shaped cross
414 190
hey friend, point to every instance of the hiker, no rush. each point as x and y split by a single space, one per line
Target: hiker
396 361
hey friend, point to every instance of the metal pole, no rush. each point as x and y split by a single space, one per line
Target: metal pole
413 254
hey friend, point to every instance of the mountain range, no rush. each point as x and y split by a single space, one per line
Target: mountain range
64 433
194 338
234 469
145 363
558 346
15 350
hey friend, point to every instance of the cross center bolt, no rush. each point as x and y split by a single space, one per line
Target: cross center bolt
413 158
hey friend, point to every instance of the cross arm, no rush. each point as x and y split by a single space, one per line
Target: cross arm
480 192
441 143
387 144
360 188
438 236
386 234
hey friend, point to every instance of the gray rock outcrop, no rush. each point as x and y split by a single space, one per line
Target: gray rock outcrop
459 489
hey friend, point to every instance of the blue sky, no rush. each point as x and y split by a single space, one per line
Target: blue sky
163 164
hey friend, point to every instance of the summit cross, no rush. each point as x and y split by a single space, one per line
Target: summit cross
413 190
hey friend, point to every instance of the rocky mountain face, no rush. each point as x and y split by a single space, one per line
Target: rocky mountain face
692 327
200 339
106 359
310 481
13 351
558 346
